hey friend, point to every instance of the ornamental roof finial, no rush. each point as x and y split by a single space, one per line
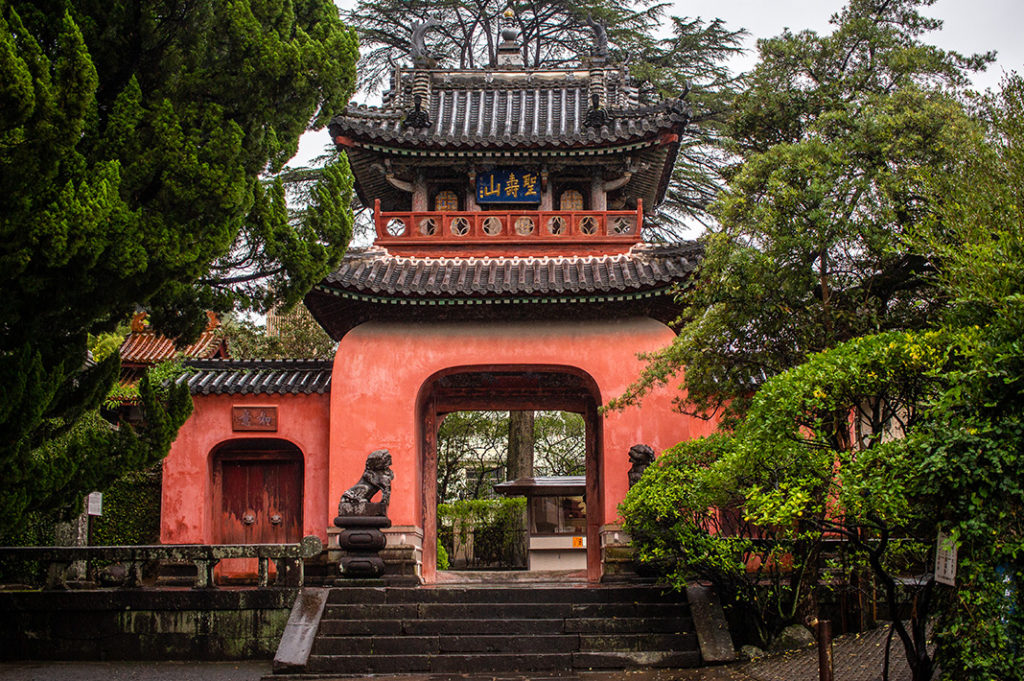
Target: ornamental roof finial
509 53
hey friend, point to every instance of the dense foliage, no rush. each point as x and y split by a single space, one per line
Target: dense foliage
291 335
837 134
483 532
859 321
131 511
132 140
968 452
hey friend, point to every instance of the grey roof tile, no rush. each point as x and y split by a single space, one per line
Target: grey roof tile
493 115
644 267
258 376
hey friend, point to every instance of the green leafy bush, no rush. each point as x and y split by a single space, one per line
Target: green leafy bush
442 556
495 525
686 521
131 511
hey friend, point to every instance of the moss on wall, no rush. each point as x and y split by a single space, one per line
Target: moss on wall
144 624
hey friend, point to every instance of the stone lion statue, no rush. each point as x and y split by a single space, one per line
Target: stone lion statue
640 456
376 477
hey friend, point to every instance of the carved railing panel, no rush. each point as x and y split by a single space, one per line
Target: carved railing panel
452 228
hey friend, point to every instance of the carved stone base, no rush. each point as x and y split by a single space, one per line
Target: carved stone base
617 555
403 556
360 541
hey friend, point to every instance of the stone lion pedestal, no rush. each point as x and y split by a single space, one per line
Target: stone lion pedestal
361 520
361 539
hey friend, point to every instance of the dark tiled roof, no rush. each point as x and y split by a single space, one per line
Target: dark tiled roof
480 119
645 267
258 376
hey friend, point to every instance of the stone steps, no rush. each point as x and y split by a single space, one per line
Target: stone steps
469 629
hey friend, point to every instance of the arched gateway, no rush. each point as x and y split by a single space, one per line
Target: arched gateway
508 272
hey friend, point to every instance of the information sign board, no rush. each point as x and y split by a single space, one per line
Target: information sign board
945 560
94 503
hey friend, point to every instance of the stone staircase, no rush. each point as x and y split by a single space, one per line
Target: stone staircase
476 629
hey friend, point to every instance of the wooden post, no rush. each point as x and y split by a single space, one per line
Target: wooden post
824 650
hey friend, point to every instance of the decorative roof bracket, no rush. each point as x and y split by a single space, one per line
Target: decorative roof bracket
612 185
389 175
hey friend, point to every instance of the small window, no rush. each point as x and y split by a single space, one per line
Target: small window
446 200
570 200
558 515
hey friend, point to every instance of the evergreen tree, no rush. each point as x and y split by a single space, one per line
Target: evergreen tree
837 134
295 335
132 139
466 34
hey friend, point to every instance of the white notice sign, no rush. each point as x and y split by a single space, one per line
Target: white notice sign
945 560
94 503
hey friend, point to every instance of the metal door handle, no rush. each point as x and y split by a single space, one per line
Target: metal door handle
248 519
275 519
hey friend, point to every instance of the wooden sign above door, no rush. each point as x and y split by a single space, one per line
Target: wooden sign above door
248 418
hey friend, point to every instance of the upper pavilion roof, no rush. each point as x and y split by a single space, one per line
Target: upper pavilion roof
573 130
440 120
470 110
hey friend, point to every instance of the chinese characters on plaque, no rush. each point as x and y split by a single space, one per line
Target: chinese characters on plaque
253 418
507 185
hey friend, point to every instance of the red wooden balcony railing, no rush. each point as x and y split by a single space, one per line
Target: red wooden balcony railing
509 231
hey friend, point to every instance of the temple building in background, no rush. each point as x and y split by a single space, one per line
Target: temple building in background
509 272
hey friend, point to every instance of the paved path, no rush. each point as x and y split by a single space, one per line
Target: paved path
857 658
133 671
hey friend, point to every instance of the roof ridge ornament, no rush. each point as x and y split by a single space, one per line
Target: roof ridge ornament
599 53
509 53
421 58
418 117
596 116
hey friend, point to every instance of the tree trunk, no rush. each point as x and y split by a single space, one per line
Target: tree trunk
520 465
520 445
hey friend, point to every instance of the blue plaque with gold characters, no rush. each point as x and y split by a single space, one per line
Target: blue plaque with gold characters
507 185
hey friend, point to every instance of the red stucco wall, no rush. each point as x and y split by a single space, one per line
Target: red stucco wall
380 368
186 513
379 372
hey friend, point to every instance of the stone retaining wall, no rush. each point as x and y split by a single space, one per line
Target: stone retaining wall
165 624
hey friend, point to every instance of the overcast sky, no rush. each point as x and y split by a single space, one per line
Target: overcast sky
970 26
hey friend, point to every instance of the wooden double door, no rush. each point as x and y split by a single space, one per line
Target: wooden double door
260 495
